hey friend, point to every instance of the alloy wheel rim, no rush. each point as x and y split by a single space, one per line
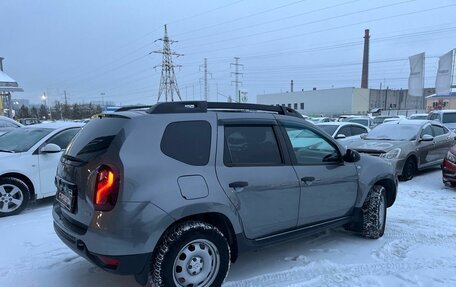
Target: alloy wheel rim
11 198
196 264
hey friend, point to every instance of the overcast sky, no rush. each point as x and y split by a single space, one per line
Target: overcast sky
100 48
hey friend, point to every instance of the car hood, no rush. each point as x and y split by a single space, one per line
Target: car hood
382 146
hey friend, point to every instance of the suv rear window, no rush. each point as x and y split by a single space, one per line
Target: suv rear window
188 142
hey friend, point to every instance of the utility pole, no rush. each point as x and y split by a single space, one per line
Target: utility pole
237 82
291 86
365 72
205 79
168 83
386 98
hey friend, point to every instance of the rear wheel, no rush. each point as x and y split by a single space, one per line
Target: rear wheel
374 213
14 196
409 170
191 254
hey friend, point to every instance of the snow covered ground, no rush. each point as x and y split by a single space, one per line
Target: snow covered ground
418 249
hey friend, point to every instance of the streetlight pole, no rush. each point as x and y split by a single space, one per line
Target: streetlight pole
44 98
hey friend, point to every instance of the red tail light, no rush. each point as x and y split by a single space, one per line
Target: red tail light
106 190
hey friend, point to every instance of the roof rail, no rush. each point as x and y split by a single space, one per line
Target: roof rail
203 106
129 108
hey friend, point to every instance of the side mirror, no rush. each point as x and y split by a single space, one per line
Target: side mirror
340 136
351 156
363 135
427 138
50 148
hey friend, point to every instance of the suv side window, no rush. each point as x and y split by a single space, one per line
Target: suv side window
63 138
310 147
251 146
188 142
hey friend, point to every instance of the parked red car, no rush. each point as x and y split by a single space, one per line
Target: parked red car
449 167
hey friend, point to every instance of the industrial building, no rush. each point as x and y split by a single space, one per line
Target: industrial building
348 100
327 102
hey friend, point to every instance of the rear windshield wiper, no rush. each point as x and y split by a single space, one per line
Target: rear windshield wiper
5 150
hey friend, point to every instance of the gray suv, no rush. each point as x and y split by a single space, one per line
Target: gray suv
174 192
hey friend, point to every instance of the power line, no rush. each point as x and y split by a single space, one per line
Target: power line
304 24
288 17
249 16
317 31
206 12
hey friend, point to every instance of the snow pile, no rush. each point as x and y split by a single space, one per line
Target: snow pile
418 249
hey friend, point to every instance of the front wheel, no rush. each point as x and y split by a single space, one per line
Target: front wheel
189 255
409 170
374 213
14 196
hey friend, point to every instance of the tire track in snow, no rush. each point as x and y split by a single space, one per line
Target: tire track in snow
399 244
331 274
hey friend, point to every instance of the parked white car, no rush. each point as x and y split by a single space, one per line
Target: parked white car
28 163
344 132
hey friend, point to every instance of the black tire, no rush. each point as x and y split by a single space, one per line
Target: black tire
374 213
14 196
409 169
171 254
452 184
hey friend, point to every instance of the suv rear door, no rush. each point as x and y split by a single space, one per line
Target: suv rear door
255 171
329 186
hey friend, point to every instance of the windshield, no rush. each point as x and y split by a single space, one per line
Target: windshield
21 139
329 129
449 118
395 132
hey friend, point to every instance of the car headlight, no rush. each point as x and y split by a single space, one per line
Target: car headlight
392 154
451 157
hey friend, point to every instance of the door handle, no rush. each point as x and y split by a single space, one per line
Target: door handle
308 179
238 184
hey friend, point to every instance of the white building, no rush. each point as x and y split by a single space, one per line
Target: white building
328 102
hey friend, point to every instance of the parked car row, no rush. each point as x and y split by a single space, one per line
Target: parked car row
410 145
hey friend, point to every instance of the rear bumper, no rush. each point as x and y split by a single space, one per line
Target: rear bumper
126 235
126 264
